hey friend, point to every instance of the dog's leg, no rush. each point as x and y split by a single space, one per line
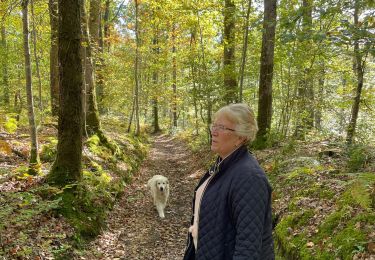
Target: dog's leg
160 209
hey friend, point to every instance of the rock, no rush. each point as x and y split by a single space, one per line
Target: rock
299 162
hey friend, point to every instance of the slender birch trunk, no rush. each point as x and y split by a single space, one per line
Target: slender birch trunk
244 50
34 163
136 70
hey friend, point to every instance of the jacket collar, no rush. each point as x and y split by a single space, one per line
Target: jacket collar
222 165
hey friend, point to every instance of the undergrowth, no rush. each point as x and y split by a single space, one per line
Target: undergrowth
84 205
328 210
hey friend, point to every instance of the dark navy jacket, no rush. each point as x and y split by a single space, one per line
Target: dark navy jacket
235 215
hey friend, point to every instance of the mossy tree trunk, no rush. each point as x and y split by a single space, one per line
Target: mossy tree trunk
266 72
67 166
34 163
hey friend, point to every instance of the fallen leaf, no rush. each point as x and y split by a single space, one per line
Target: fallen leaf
310 244
371 247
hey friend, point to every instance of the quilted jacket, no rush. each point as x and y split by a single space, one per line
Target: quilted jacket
235 215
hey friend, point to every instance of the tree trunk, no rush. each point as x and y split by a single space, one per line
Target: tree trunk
94 32
40 103
18 101
4 59
193 76
67 166
34 156
136 68
54 63
155 76
306 88
266 72
92 122
230 78
359 73
244 49
174 76
107 32
206 83
132 113
318 113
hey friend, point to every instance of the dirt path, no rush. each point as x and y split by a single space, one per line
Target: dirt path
134 229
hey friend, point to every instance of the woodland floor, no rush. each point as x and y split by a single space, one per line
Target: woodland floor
134 230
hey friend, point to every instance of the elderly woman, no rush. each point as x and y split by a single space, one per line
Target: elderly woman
232 202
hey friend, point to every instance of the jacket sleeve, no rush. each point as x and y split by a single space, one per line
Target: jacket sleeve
249 204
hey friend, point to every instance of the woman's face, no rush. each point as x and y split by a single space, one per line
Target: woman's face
224 138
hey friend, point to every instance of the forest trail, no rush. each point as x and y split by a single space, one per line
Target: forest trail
134 229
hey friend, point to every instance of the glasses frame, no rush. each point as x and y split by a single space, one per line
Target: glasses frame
220 128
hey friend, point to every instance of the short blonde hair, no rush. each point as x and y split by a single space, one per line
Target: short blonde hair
243 118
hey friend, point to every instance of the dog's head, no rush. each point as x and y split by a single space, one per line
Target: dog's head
162 184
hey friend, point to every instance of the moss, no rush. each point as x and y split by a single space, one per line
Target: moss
86 204
302 171
316 190
330 224
95 147
346 240
20 207
339 236
61 176
293 246
85 217
293 204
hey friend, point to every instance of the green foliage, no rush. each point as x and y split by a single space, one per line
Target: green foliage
270 139
357 157
48 150
289 148
10 125
358 192
195 142
8 121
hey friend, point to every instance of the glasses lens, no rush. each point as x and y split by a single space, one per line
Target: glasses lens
217 128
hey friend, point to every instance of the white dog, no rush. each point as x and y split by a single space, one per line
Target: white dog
159 187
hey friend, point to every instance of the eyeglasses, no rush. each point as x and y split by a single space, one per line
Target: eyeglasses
220 128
